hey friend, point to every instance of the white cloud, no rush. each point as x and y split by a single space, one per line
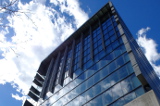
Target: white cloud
149 46
72 8
34 38
17 97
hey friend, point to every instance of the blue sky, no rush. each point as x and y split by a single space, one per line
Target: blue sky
23 45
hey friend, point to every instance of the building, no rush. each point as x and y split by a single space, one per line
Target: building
99 64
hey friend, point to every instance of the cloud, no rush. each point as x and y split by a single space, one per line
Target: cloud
36 34
17 97
72 8
149 47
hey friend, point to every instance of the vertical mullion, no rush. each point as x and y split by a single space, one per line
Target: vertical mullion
91 43
70 73
102 36
60 80
54 74
44 90
81 52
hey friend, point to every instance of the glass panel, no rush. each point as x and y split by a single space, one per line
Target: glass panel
116 91
113 38
113 78
115 44
96 89
135 81
96 77
77 73
123 72
110 28
104 72
107 97
140 91
120 40
96 102
72 94
107 42
89 94
108 49
105 84
112 67
130 97
117 51
106 36
101 54
123 48
111 32
126 86
129 68
78 101
119 102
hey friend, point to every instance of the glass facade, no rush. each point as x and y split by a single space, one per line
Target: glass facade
107 79
93 69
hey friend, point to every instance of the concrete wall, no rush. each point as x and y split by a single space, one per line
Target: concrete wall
147 99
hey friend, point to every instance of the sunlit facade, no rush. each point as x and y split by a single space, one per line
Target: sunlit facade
100 64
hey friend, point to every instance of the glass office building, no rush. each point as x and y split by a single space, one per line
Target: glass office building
99 64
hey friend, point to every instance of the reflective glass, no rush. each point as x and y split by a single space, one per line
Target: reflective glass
115 44
116 91
126 86
99 42
77 73
89 94
111 32
118 34
100 48
112 67
113 78
130 97
101 54
79 101
113 38
119 102
106 36
96 102
109 28
117 51
104 72
108 49
140 91
135 81
89 82
97 89
82 87
107 97
107 42
105 84
122 72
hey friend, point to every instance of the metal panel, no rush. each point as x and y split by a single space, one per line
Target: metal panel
34 90
54 74
33 96
70 73
39 83
39 78
60 80
27 103
47 78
